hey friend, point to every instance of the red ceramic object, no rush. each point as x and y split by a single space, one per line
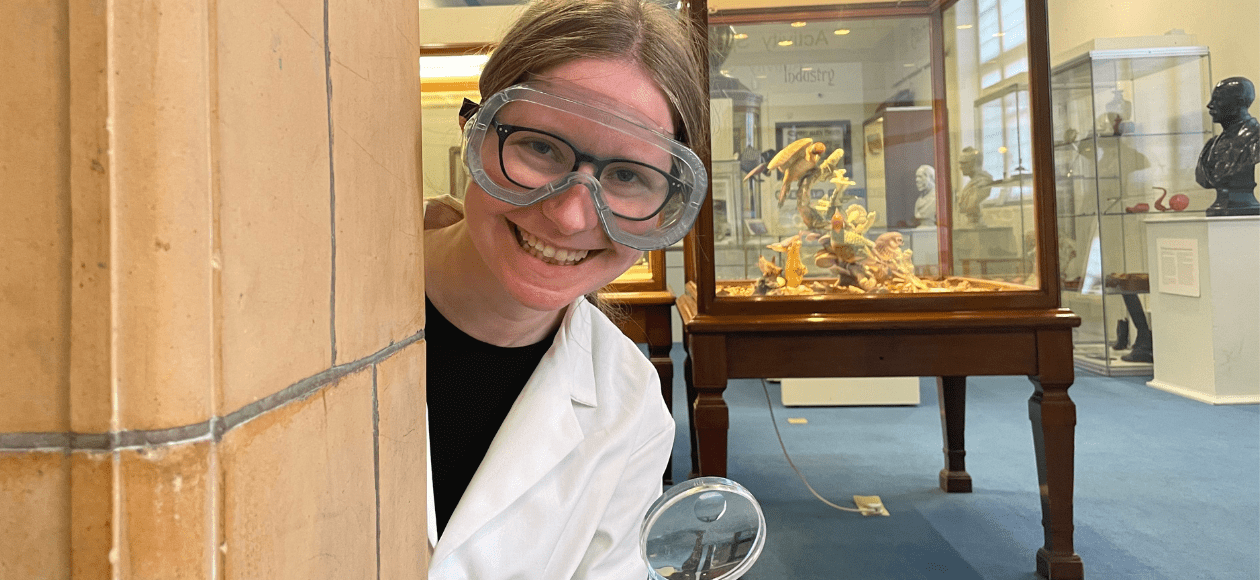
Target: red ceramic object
1139 208
1179 202
1159 203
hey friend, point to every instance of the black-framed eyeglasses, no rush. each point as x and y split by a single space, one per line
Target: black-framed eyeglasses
635 190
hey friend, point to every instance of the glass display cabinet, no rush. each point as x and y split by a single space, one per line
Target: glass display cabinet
1129 123
993 234
911 204
884 206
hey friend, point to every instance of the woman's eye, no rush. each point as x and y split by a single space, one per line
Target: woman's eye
625 176
541 147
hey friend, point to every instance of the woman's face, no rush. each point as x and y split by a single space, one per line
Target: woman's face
547 254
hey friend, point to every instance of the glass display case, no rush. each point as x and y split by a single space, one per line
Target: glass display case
992 213
646 275
1129 122
874 163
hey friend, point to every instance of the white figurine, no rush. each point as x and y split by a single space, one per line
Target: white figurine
925 205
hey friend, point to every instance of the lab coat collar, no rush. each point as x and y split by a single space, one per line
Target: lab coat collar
540 431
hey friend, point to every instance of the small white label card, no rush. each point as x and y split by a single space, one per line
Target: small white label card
1178 266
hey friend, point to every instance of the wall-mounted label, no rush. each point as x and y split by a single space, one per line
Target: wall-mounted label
1178 266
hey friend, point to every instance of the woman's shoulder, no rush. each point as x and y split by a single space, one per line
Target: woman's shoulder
625 382
603 331
614 357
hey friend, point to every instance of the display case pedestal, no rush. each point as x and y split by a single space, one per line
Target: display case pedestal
1205 305
987 250
926 245
882 344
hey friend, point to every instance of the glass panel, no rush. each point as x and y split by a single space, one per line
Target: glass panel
994 233
641 271
832 175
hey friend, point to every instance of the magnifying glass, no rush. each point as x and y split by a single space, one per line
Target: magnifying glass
708 528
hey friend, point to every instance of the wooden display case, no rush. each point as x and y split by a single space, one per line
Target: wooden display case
829 304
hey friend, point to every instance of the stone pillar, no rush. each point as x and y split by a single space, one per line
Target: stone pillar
211 301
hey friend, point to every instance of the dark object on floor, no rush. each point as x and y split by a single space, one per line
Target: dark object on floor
1142 342
1122 334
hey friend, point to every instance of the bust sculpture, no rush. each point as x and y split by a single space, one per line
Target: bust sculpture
979 182
925 204
1227 163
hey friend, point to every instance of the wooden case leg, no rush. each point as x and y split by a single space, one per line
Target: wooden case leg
659 355
712 420
710 416
691 408
1053 416
952 394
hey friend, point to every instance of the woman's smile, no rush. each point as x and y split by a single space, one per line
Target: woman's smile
547 252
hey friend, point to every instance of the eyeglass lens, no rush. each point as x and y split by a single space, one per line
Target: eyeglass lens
532 158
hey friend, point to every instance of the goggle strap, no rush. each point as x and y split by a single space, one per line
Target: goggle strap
468 109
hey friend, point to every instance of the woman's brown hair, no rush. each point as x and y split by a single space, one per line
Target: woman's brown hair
550 33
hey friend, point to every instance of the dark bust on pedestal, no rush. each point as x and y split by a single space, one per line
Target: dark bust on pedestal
1227 163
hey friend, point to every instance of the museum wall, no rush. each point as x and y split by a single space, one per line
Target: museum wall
1227 27
210 307
466 24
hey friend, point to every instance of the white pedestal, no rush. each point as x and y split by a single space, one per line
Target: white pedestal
925 243
1206 347
985 251
850 391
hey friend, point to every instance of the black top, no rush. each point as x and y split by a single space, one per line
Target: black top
471 387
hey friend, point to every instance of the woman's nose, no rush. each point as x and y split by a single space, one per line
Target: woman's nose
572 211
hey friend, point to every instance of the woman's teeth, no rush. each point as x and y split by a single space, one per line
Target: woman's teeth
549 254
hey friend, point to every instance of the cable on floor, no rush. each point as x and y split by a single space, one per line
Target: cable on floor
775 422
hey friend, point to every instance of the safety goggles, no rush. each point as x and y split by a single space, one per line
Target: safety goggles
540 138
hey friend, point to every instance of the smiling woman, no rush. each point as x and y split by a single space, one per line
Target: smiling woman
548 435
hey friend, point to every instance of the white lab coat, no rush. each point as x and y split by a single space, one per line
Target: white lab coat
564 487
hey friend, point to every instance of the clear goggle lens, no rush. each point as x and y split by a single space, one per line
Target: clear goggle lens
635 189
526 145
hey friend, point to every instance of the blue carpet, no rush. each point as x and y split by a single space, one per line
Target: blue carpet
1166 487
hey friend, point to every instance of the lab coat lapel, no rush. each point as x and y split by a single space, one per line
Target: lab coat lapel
538 433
